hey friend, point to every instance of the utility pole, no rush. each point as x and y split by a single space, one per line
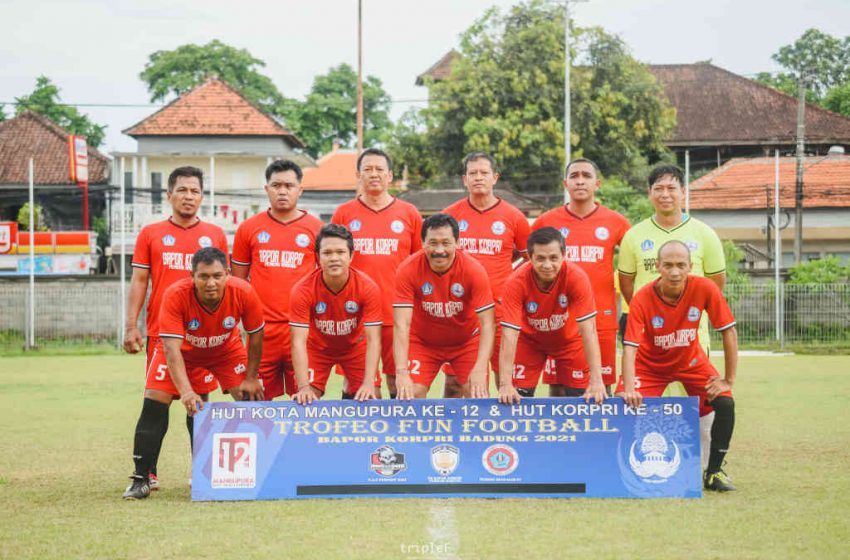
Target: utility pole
359 76
567 109
801 149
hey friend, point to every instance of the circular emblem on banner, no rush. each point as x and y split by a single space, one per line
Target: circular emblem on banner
498 227
193 325
647 245
397 226
457 290
694 314
168 240
229 322
302 239
602 233
656 459
351 306
564 232
205 241
427 289
500 459
355 225
562 300
321 307
531 306
463 225
657 322
264 237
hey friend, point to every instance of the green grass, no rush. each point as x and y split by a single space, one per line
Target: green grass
65 451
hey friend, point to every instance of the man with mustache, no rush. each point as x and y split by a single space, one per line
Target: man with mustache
274 249
443 312
662 345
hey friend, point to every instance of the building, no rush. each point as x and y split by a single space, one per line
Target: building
737 200
332 182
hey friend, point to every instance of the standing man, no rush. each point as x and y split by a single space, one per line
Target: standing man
163 255
386 231
335 319
492 231
200 348
639 250
592 232
443 313
661 346
275 250
548 311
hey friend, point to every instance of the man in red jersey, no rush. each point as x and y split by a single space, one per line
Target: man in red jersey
163 255
548 310
443 311
662 346
335 319
199 349
386 231
491 230
274 249
591 232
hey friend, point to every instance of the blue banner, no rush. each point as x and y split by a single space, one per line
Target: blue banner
542 447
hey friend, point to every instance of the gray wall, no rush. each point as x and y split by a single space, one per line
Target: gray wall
217 145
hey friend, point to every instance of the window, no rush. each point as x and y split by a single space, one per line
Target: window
156 191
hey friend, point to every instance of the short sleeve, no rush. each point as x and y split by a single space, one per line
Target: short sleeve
142 250
300 303
242 246
627 262
718 308
339 218
634 325
252 314
523 230
416 234
404 289
482 294
714 261
580 294
624 226
512 302
171 323
221 242
372 309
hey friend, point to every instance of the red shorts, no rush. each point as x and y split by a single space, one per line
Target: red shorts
276 373
653 384
565 367
153 341
227 371
352 364
608 351
424 361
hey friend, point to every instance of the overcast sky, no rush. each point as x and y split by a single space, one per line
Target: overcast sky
94 50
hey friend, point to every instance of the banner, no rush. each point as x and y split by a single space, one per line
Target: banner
542 447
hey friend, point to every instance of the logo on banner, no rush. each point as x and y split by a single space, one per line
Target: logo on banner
602 233
647 245
694 314
657 322
169 241
351 306
457 290
193 325
386 462
355 225
498 228
321 307
500 459
463 225
229 322
397 226
302 240
264 237
205 241
444 459
234 461
653 462
427 289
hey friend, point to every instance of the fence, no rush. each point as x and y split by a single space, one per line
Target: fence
86 312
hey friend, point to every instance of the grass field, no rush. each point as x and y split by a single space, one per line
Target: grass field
66 439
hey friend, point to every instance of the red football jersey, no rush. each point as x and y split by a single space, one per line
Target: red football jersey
491 236
665 335
548 317
590 244
166 249
336 320
279 255
382 240
207 335
444 305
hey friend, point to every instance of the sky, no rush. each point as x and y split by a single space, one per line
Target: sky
94 50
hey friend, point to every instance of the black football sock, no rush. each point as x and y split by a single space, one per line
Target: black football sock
347 396
721 431
190 425
525 391
150 429
156 458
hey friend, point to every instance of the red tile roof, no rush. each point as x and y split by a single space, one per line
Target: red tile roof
440 69
31 135
336 171
211 109
749 184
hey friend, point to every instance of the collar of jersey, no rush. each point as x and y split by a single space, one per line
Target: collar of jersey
358 199
685 219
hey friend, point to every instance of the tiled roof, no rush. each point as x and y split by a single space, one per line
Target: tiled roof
440 69
336 171
211 109
31 135
749 184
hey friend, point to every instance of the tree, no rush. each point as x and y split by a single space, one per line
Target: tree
2 113
45 100
505 95
838 99
38 214
173 73
329 113
828 270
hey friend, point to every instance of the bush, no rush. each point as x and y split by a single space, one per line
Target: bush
828 270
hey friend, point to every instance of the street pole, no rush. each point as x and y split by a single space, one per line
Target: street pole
31 329
777 256
359 76
567 109
798 192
